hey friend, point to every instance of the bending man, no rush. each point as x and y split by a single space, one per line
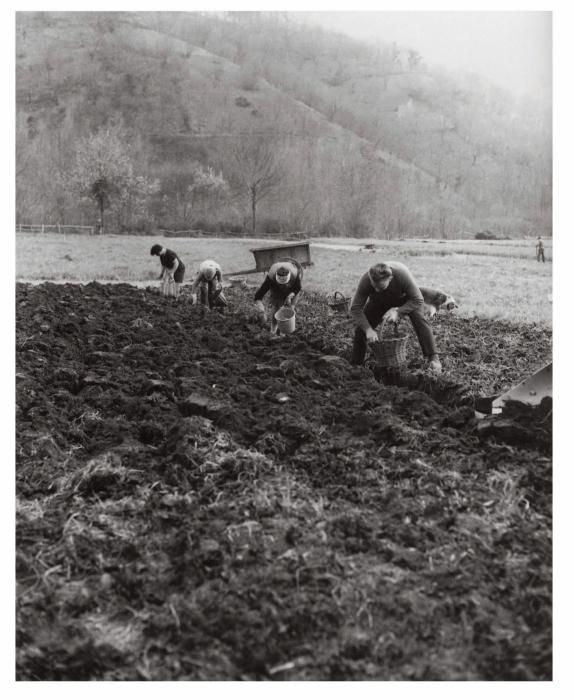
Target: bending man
389 291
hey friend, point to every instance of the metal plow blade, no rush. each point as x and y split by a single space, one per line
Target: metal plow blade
530 391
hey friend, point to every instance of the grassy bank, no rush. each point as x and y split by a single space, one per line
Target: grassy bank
489 279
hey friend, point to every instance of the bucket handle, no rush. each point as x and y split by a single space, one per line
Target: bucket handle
339 294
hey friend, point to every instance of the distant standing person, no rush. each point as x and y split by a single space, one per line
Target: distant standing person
283 282
540 250
389 291
210 284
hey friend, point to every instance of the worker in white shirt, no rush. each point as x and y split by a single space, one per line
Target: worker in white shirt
210 285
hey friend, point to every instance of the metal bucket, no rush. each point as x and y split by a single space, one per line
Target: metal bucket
285 318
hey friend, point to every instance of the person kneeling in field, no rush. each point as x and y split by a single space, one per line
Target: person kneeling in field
283 282
172 267
209 282
388 291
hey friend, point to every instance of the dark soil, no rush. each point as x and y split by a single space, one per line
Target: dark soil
197 501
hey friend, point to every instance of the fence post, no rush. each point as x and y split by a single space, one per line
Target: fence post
42 228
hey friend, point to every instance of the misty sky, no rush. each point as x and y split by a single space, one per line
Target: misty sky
512 49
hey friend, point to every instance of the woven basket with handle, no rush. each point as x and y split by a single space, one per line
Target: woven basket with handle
339 302
391 350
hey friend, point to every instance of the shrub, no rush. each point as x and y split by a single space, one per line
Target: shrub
358 229
228 227
486 236
204 225
242 102
328 229
270 225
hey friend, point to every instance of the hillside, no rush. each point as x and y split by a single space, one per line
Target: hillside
367 140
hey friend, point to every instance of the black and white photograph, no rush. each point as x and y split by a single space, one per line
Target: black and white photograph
283 323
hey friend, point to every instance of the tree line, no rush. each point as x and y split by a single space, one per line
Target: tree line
277 127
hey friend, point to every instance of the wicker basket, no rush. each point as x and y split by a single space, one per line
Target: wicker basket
339 302
238 282
391 350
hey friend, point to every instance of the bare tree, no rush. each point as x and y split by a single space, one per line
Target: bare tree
257 169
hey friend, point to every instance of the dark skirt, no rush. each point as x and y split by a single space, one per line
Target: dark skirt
179 273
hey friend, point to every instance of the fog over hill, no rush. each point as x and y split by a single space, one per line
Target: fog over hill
512 49
233 121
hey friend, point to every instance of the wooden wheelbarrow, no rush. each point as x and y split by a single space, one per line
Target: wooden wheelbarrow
299 253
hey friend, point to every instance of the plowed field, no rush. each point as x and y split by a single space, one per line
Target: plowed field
197 501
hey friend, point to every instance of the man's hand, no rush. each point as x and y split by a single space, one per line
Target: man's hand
372 336
289 299
435 365
194 298
392 316
261 309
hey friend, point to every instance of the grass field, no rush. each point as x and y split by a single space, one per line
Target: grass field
509 249
489 279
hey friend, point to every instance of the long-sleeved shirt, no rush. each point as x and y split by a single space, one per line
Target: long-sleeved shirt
270 282
402 287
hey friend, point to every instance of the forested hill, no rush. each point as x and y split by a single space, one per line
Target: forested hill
238 120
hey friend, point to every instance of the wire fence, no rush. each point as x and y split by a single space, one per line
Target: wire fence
188 233
55 228
199 233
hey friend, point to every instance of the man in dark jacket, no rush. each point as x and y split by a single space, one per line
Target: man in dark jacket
283 282
389 291
172 267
